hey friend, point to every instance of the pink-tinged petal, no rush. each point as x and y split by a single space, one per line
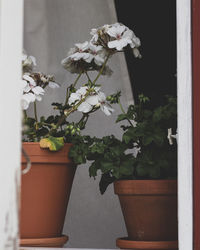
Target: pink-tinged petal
116 30
128 34
38 90
92 100
82 46
85 107
54 85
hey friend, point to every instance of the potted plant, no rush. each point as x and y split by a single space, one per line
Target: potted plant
143 167
48 140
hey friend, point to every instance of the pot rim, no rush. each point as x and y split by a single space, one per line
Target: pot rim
43 155
146 187
36 143
39 242
130 244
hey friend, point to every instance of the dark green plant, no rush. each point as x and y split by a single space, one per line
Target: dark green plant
143 152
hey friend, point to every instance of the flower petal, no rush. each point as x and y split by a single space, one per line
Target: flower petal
92 100
101 97
29 79
85 107
38 90
107 110
82 91
54 85
73 98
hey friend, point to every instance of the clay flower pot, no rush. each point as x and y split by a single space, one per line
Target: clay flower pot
150 213
45 193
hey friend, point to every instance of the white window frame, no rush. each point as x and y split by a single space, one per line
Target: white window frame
185 152
11 33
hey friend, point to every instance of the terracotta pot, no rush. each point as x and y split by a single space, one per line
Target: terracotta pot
45 193
150 210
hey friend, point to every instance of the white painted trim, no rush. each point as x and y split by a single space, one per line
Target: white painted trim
11 20
185 163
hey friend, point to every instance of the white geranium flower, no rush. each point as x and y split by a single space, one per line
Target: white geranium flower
122 36
89 103
105 107
32 92
28 62
98 54
78 95
97 99
85 107
30 83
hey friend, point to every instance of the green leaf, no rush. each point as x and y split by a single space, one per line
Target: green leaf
106 180
142 170
146 140
121 117
52 143
126 167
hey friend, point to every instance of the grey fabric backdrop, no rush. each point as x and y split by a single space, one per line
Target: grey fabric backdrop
52 27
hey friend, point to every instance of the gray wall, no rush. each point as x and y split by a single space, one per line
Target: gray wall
51 28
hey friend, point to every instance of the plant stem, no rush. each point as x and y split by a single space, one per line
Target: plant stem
25 114
90 81
35 113
123 111
73 85
102 68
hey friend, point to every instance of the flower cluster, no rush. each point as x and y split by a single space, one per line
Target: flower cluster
91 100
92 55
33 84
105 41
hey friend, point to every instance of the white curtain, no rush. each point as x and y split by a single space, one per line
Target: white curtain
51 29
